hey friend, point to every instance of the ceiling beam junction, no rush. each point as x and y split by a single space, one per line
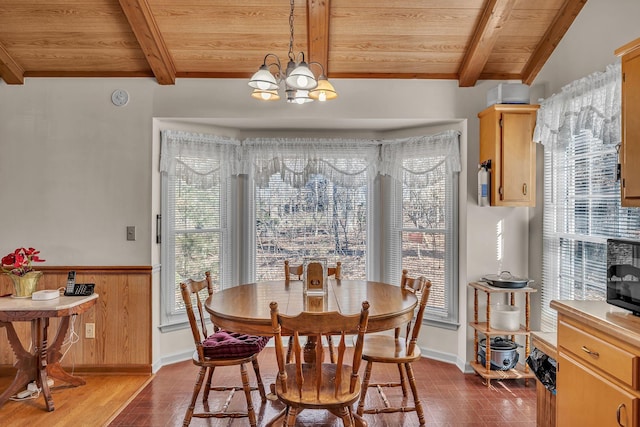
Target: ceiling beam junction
566 15
495 14
10 71
145 28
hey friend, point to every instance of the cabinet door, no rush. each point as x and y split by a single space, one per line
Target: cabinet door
518 159
630 150
585 398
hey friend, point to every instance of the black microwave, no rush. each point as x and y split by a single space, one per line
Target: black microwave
623 274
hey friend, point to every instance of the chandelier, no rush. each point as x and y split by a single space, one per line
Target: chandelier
300 84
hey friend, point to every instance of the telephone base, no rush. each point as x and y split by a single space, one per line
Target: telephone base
46 294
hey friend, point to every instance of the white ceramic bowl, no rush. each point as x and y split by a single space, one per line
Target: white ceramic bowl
504 317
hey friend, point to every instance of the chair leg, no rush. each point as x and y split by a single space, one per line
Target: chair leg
358 421
207 388
364 387
196 390
345 416
290 419
414 391
403 380
256 370
247 394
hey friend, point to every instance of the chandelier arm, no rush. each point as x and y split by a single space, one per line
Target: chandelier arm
322 73
279 75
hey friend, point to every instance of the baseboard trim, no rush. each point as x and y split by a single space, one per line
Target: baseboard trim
7 370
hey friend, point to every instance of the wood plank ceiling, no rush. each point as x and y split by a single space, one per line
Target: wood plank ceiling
465 40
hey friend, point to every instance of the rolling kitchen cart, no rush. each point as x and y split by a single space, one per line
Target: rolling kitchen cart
521 370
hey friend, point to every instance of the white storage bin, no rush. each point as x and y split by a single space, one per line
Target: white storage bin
508 93
504 317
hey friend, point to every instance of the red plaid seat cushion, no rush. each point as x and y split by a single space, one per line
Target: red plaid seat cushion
232 345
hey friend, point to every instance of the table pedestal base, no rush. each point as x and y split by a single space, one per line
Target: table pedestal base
42 362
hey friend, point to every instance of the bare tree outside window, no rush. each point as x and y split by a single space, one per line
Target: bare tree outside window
320 219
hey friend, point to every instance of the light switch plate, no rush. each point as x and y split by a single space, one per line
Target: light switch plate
131 232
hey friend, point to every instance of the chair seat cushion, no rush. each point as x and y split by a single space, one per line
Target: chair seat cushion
232 345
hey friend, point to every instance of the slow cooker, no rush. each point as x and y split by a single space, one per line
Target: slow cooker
504 353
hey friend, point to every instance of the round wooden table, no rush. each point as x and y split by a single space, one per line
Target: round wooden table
245 308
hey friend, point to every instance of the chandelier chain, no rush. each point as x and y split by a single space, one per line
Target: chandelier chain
291 55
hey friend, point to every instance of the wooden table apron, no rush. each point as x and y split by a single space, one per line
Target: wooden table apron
245 308
44 359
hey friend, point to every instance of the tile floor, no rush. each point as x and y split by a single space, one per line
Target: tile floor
449 398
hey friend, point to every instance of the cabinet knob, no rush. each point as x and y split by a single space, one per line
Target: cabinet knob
524 189
590 353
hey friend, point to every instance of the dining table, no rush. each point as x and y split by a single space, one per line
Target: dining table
41 359
245 308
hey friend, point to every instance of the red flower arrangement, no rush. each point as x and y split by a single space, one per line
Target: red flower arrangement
19 261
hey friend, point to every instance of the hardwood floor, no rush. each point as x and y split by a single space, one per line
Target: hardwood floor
449 398
91 405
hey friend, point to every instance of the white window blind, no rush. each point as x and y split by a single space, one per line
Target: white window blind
423 219
194 216
580 129
311 200
320 219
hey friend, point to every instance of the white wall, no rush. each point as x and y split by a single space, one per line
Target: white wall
76 170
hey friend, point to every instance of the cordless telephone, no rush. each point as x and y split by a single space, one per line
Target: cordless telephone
77 289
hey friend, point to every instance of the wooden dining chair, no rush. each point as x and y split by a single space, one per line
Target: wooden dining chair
401 349
298 271
331 386
222 348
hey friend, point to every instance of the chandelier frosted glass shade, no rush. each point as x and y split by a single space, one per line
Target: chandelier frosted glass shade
301 77
265 95
263 79
324 91
298 96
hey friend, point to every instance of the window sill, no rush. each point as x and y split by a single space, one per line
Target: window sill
171 327
442 324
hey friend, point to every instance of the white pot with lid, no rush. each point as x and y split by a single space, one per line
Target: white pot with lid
504 317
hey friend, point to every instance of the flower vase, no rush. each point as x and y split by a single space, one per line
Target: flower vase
25 286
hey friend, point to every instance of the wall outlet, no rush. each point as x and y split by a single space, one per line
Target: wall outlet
89 330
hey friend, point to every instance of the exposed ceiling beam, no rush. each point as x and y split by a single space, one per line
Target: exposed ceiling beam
554 34
318 31
495 14
10 71
144 27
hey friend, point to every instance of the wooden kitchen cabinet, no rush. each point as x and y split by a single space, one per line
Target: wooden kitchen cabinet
506 139
629 154
598 377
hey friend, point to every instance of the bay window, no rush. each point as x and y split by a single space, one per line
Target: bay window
241 208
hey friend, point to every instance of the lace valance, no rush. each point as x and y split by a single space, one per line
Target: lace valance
202 159
592 103
410 159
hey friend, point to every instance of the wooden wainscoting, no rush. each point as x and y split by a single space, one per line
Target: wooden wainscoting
122 317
